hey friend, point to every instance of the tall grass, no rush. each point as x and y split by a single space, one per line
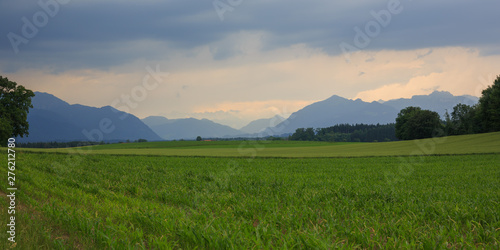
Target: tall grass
143 202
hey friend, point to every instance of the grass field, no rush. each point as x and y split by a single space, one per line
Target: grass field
466 144
424 198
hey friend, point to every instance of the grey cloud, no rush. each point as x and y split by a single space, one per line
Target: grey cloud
425 54
99 34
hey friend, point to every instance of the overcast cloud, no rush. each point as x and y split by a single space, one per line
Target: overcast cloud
91 52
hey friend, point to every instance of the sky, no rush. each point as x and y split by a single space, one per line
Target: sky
233 61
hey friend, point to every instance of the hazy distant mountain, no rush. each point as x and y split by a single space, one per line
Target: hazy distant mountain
438 101
337 110
261 124
52 119
152 121
189 128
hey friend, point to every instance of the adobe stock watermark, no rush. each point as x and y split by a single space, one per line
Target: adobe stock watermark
372 29
250 149
139 93
127 102
223 6
405 169
276 126
31 26
484 83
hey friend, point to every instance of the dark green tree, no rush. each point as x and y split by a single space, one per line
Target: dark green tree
403 130
15 102
198 138
415 123
348 132
463 120
309 134
489 108
298 135
302 134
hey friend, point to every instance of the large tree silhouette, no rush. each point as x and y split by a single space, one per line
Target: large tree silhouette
489 107
415 123
15 102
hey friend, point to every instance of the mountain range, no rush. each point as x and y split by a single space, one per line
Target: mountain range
188 128
337 110
52 119
259 125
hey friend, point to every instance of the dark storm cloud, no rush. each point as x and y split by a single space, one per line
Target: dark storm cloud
99 34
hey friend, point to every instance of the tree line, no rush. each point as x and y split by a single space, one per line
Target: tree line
15 102
416 123
484 117
411 122
347 133
55 144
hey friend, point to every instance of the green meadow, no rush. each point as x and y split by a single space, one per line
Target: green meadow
465 144
429 194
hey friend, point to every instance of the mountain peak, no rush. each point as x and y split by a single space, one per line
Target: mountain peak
154 120
52 119
335 99
438 101
259 125
188 128
438 93
44 100
338 110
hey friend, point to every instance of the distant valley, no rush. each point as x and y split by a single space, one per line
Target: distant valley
189 128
